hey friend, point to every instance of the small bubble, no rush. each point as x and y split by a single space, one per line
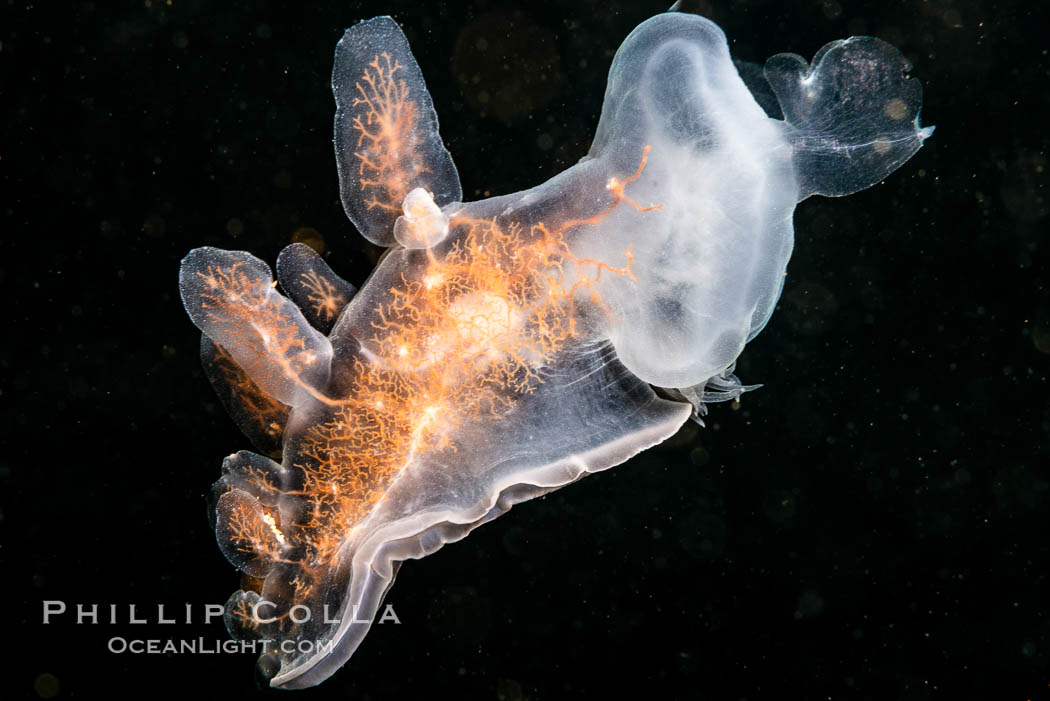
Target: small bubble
46 686
510 690
154 226
283 179
544 142
1041 338
810 604
832 10
311 237
263 31
235 227
1024 186
179 40
781 505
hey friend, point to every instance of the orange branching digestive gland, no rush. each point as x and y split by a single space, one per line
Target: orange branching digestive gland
387 147
468 326
322 295
459 342
267 414
237 301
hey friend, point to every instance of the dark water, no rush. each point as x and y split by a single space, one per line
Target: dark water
871 524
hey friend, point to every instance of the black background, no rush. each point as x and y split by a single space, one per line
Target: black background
872 523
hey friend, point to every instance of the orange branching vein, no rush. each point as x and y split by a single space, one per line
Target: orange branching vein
388 140
458 343
323 296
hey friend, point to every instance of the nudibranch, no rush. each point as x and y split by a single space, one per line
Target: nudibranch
507 347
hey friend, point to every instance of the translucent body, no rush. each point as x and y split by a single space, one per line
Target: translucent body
507 347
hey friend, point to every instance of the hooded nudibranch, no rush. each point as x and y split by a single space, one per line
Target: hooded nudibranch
507 347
